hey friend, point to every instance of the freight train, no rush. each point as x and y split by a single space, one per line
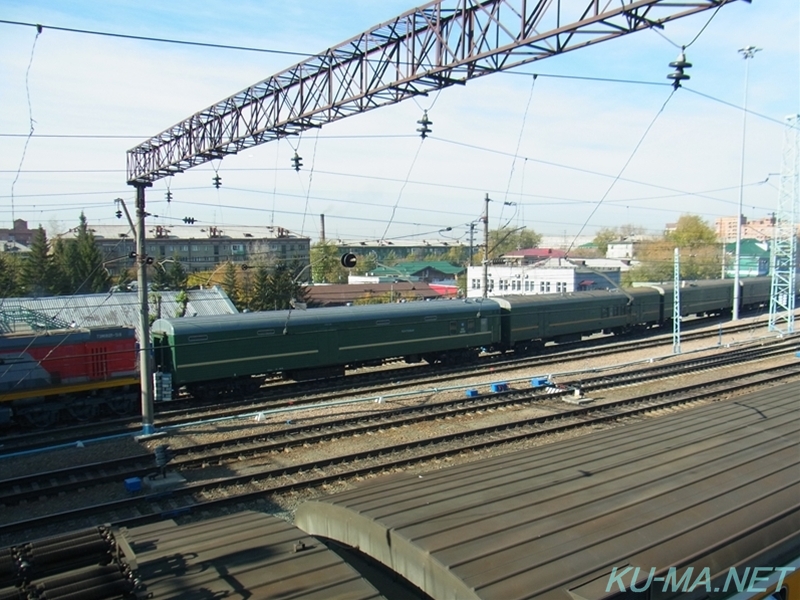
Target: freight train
80 373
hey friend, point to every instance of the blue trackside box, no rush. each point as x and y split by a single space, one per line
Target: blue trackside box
133 484
472 393
539 382
499 387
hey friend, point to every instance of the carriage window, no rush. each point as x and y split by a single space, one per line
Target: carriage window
430 318
382 322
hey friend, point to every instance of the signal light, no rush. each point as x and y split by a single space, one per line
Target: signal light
245 267
132 255
349 260
148 260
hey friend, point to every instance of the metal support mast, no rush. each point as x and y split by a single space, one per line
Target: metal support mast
784 241
442 43
145 346
676 304
485 282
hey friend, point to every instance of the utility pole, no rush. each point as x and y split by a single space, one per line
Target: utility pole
471 233
142 260
485 283
145 351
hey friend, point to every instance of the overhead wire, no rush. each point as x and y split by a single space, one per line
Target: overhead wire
402 188
516 150
157 39
621 171
30 119
310 180
307 55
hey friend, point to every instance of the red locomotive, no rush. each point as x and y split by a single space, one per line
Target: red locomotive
45 376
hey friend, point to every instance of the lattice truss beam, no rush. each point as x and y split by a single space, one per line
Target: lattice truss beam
445 42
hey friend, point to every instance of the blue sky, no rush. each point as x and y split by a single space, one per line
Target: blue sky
552 148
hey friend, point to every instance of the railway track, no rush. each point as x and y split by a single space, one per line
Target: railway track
375 381
192 497
31 487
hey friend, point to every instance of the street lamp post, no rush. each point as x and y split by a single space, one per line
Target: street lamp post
747 53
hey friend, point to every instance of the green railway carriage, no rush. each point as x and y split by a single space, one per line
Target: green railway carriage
529 321
714 297
320 342
755 292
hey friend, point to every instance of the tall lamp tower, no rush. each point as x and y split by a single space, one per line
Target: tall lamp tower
747 53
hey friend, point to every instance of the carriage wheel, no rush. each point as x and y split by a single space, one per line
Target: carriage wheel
121 406
40 417
82 410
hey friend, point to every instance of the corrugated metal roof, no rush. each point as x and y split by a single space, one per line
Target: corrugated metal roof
245 555
716 486
121 308
414 267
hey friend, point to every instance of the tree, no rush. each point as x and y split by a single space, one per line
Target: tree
503 241
691 232
89 270
125 277
700 254
182 299
64 278
457 255
9 276
603 238
178 278
172 277
326 266
159 280
78 266
284 291
261 290
37 270
369 262
230 282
